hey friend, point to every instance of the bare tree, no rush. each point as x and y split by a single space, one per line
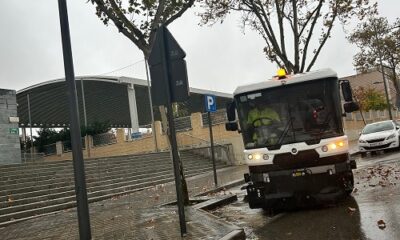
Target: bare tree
138 21
377 37
290 28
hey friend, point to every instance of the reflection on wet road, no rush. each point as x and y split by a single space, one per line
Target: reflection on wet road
377 198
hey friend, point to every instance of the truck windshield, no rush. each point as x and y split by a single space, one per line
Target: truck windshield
302 112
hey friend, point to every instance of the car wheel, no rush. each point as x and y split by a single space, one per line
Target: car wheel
398 147
374 153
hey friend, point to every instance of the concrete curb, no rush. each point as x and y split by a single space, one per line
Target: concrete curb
228 185
238 234
216 202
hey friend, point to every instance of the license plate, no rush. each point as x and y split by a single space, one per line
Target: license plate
375 144
298 173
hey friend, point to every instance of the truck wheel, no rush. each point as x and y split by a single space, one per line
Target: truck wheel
270 212
349 184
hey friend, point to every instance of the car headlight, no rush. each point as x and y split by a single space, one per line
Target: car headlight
362 141
391 136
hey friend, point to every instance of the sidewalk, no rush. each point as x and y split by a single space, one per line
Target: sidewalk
353 146
135 216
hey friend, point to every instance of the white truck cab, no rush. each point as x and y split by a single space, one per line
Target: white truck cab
295 145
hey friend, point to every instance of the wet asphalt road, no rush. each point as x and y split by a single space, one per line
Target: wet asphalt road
376 197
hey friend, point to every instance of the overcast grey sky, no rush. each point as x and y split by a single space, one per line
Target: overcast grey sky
219 57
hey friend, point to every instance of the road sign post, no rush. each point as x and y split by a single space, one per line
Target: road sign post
79 169
170 84
211 106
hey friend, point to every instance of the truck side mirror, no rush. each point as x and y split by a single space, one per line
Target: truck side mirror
350 107
346 91
231 111
231 126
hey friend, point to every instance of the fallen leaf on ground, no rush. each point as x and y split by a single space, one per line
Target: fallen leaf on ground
381 224
351 210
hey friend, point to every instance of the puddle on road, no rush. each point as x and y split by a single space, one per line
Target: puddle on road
355 218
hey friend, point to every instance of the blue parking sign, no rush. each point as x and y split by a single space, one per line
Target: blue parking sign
210 103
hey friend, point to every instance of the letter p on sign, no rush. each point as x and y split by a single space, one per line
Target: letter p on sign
210 103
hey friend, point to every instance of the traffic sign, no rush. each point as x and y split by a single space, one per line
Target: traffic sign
14 131
167 67
210 103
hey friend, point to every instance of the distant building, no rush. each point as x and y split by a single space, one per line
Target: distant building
373 79
10 148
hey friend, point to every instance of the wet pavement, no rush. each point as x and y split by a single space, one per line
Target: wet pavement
141 215
372 212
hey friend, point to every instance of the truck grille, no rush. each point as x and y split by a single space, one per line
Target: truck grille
301 159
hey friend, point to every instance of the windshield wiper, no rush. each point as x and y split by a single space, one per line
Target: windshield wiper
286 129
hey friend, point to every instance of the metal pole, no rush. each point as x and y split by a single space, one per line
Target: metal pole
212 149
85 119
172 136
76 143
385 84
153 128
30 123
383 73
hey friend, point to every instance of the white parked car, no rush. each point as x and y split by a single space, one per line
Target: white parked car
379 136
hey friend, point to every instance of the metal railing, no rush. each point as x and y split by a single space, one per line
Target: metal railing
196 148
217 117
183 124
104 139
32 157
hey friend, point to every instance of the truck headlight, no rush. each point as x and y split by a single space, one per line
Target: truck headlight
391 136
333 146
257 156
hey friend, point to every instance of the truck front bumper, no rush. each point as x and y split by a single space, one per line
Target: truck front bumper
314 185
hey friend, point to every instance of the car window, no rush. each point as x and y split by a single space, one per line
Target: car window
378 127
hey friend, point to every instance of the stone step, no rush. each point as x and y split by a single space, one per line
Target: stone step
31 173
111 176
88 163
100 171
99 195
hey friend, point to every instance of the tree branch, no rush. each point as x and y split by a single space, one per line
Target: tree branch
179 14
156 21
119 24
296 38
308 39
280 23
328 33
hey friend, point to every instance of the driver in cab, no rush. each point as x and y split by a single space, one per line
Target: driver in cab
263 119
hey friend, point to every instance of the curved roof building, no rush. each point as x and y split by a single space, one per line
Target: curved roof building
120 101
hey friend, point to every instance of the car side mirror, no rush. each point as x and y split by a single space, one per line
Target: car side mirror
359 134
397 127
